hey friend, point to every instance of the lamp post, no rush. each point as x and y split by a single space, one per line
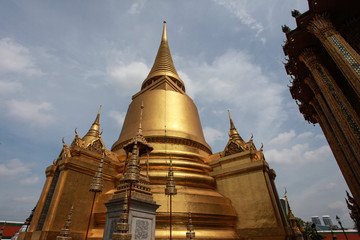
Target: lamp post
338 220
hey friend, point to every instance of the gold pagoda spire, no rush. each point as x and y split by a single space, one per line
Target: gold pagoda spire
233 133
97 182
93 133
235 144
163 64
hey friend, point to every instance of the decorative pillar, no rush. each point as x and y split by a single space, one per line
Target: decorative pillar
170 191
345 158
96 186
347 59
343 112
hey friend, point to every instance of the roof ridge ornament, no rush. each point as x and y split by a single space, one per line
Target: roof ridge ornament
93 133
235 144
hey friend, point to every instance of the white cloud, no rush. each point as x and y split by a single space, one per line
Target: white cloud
14 167
211 134
331 185
7 87
33 113
30 180
137 6
16 58
298 154
305 135
117 116
241 9
282 138
126 78
234 80
25 199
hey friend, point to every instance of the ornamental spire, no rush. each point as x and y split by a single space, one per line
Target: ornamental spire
66 231
97 183
122 227
93 132
170 182
233 134
163 65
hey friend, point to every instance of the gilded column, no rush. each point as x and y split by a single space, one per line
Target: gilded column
341 109
346 160
347 59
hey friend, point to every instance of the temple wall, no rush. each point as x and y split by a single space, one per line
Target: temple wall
247 184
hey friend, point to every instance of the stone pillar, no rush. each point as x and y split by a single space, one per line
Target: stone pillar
345 57
141 217
344 114
345 158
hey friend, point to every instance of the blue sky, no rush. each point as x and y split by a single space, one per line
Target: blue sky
60 60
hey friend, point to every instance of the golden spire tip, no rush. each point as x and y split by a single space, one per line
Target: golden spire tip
164 36
232 126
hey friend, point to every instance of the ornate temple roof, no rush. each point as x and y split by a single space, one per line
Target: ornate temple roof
163 65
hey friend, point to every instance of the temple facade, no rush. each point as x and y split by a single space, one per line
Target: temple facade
226 195
323 60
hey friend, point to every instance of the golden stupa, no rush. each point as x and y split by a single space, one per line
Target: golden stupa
230 195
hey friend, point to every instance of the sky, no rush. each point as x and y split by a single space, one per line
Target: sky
61 60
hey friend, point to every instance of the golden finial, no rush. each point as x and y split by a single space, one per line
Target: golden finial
97 120
232 126
233 133
170 183
93 132
66 231
76 134
97 183
164 35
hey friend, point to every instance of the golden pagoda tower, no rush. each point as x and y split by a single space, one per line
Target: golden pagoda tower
230 194
171 124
